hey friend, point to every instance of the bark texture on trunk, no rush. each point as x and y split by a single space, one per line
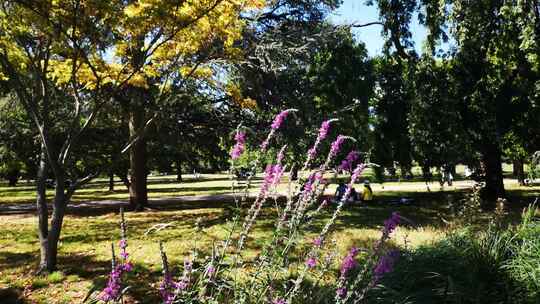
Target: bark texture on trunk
57 220
49 235
492 166
519 172
111 181
138 192
42 212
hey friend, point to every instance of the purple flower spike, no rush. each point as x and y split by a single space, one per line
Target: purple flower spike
357 172
312 152
278 120
127 267
341 292
311 262
317 242
210 270
391 223
385 265
239 147
323 131
336 145
279 301
348 163
349 262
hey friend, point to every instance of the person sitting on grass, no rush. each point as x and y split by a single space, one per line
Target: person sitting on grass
367 195
340 192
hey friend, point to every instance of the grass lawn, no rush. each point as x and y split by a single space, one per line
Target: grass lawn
84 256
98 189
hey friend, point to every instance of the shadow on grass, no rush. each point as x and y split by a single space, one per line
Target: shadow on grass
13 260
158 181
95 195
84 267
12 296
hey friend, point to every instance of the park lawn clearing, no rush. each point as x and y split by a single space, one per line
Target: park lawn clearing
84 255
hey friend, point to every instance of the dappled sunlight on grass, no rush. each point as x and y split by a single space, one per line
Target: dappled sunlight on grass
84 256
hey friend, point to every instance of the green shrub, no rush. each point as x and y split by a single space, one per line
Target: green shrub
524 267
55 277
495 266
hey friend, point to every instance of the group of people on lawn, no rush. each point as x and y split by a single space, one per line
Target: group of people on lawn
365 196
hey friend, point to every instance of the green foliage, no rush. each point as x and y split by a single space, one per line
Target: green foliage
437 135
304 63
391 106
524 267
534 170
495 266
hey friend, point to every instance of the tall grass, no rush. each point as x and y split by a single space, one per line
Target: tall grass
498 265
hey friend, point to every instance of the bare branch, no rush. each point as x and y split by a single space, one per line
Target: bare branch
366 24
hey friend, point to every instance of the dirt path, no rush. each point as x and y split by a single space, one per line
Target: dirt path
183 202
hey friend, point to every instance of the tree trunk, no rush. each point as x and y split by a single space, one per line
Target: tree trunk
493 175
13 177
179 170
57 219
111 181
125 180
138 192
42 212
519 172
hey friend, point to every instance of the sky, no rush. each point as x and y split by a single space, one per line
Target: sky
355 11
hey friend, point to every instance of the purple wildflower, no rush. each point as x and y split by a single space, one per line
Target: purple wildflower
277 173
357 172
183 284
336 145
311 262
349 262
312 180
127 267
317 241
385 265
264 145
268 181
312 152
278 120
210 270
279 301
239 147
323 131
391 223
112 290
348 163
165 289
341 292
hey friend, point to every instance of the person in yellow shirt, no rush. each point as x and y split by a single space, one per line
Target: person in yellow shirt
367 194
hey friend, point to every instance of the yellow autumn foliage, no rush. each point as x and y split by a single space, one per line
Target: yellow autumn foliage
122 43
234 91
